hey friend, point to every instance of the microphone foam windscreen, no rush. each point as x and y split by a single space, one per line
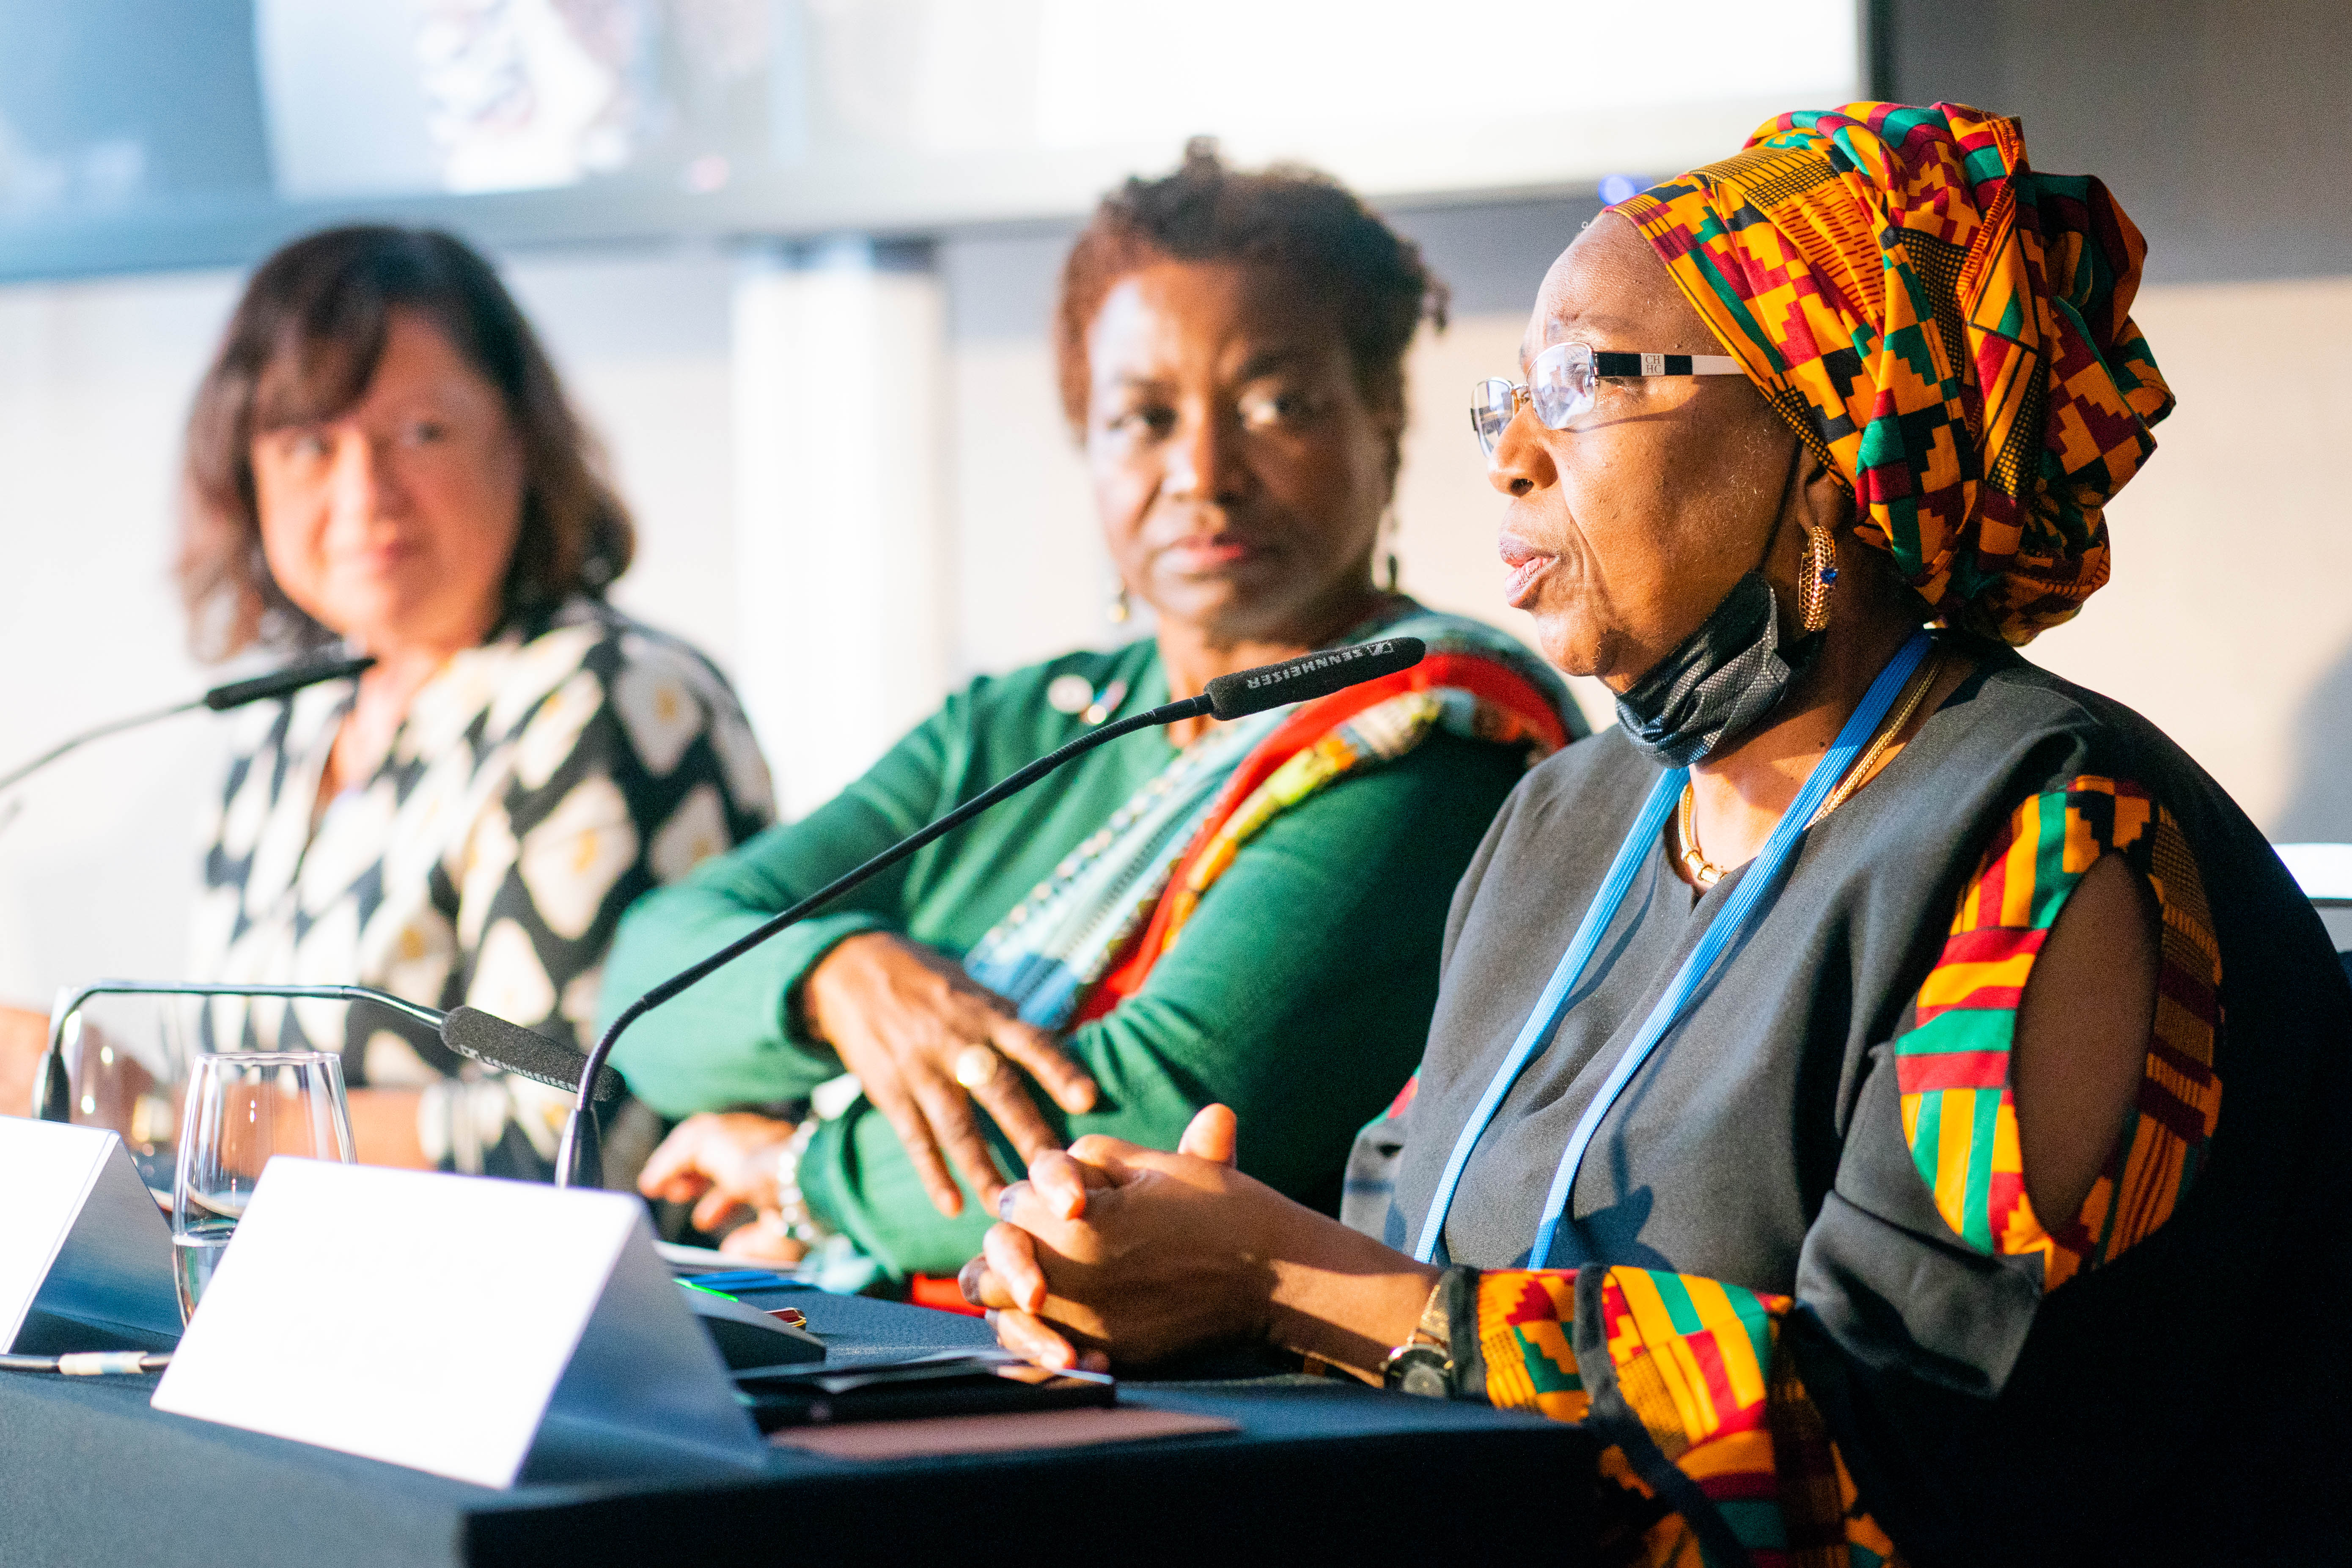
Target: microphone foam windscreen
1317 674
492 1041
284 682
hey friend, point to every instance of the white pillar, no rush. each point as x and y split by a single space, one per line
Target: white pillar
843 610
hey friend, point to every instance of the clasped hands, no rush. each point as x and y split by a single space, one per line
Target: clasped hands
931 1048
1112 1252
1149 1252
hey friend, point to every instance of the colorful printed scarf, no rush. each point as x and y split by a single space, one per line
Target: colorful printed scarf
1122 896
1949 332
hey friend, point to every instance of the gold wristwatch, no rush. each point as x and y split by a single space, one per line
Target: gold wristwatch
1423 1364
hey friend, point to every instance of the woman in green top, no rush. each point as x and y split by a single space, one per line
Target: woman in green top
1232 354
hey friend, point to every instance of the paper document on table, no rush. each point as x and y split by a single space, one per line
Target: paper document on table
871 1441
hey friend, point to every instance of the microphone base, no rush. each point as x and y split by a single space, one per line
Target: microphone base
52 1090
580 1158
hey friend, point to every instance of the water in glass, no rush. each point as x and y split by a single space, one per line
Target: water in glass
243 1107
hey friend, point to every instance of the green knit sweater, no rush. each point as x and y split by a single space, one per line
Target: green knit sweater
1299 994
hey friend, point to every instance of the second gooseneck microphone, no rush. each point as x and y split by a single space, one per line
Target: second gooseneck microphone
220 700
580 1162
483 1037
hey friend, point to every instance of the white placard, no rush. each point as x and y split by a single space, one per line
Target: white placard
449 1322
84 1238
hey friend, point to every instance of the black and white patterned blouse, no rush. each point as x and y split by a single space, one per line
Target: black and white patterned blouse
539 784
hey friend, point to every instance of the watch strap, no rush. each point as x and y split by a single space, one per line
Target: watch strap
1461 1286
1431 1360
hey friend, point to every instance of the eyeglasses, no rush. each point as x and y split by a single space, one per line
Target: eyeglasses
1561 382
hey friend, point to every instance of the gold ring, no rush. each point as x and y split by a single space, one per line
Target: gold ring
975 1067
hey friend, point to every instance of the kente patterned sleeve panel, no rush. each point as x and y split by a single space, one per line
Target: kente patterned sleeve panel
1716 1453
1959 1115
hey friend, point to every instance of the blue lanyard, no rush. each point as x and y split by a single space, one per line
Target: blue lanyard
1739 911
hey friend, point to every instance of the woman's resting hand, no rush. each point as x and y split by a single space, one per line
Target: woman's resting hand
719 1163
901 1016
1112 1251
23 1035
383 1128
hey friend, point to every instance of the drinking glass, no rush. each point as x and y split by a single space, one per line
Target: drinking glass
243 1107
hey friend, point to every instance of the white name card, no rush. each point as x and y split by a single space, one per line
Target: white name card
84 1240
458 1325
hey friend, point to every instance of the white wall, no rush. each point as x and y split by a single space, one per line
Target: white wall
841 560
94 382
2230 618
2228 621
643 343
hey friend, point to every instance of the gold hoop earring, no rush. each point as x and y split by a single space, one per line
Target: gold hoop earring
1118 610
1817 574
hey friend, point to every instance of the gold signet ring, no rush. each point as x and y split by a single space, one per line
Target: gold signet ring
975 1067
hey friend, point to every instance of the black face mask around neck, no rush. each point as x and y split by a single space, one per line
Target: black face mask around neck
1725 677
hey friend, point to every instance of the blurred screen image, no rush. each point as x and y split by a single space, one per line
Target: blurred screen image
555 121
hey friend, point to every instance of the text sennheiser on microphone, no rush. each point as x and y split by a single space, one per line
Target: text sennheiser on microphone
579 1162
1247 692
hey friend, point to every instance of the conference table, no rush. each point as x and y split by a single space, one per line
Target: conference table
1315 1470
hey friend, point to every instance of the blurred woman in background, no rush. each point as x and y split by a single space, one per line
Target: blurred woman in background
381 454
1249 912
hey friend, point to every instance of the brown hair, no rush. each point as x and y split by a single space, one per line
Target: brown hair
302 347
1293 217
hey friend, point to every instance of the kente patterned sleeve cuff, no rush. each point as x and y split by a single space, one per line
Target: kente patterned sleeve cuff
1521 1323
1715 1451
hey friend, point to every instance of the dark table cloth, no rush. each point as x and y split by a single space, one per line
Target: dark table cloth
91 1475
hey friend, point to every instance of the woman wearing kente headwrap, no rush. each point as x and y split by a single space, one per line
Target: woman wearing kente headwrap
1825 1102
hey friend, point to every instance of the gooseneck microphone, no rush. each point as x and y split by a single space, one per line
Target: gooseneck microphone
471 1033
220 700
579 1161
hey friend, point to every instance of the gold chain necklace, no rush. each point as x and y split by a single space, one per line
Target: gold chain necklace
1705 873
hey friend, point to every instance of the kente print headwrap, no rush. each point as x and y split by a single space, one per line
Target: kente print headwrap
1948 330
